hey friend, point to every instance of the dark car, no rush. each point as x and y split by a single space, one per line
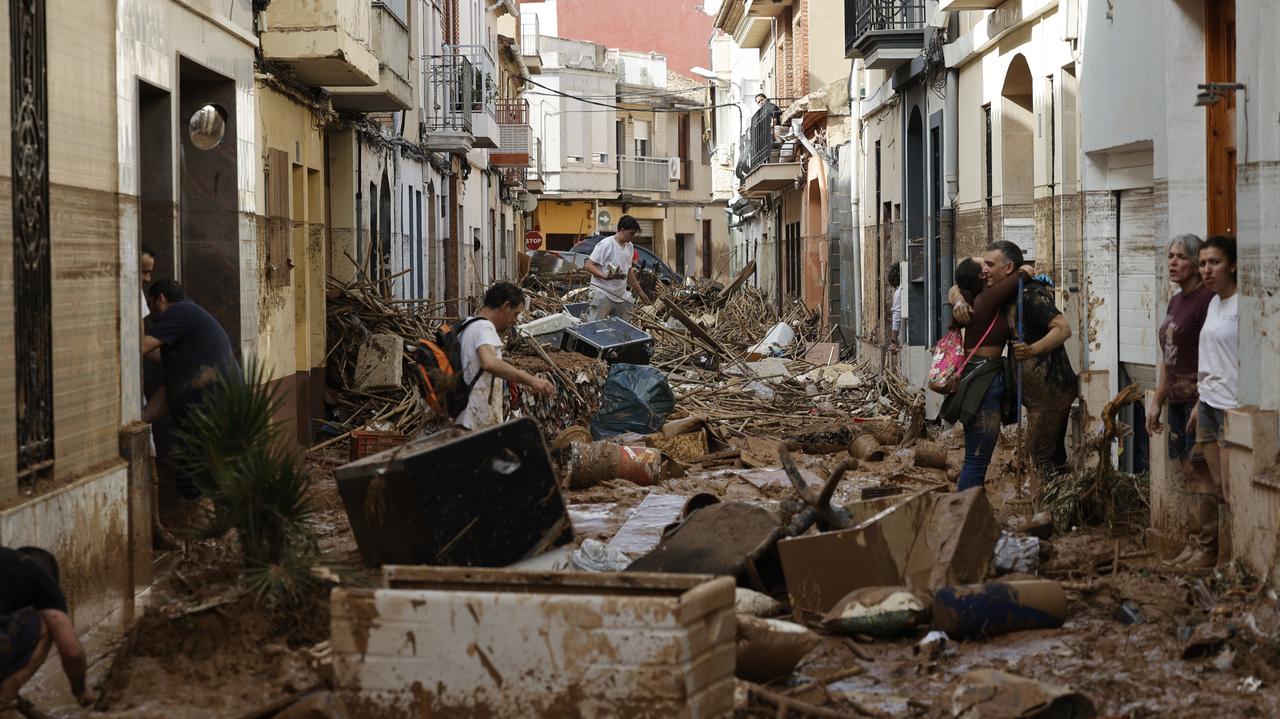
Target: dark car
645 259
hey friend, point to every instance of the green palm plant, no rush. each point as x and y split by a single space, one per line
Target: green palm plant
240 462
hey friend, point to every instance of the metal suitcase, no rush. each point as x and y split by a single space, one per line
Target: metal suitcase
612 340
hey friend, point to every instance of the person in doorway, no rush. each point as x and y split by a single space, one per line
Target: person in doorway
195 352
146 266
1217 372
1176 381
895 310
611 267
33 618
980 298
482 364
1049 383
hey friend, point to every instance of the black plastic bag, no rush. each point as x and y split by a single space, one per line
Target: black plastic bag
636 398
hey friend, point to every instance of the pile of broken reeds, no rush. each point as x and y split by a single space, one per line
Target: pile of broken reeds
355 311
1094 492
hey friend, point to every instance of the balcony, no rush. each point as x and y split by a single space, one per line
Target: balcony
515 136
448 122
767 159
324 42
531 42
884 33
953 5
533 177
644 174
749 22
484 93
390 42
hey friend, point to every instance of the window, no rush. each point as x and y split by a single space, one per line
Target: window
682 138
398 8
792 242
640 133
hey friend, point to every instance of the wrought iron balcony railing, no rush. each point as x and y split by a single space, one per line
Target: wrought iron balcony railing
864 16
450 84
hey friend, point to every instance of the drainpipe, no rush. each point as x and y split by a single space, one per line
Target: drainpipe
359 202
855 190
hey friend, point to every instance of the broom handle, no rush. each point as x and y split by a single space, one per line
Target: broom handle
1018 411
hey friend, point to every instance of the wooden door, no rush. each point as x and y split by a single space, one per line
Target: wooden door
1220 66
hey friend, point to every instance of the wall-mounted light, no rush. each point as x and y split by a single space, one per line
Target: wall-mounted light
1211 92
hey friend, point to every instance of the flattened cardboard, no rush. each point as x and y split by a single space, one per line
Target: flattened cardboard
956 543
820 569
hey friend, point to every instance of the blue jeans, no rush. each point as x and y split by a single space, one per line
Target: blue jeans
980 436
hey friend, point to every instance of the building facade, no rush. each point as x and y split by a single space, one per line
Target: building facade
790 205
621 135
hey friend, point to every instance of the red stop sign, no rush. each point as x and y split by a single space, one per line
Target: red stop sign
533 240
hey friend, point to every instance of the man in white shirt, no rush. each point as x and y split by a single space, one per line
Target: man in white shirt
895 317
482 362
611 271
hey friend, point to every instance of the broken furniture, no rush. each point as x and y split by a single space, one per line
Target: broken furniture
484 642
612 339
487 498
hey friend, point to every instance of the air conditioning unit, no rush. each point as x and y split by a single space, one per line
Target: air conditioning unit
673 169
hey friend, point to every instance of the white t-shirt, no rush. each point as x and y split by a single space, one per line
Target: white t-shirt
146 311
484 407
1220 353
897 309
609 252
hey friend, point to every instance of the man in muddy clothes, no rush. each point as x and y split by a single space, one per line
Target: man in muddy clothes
33 617
1049 384
195 352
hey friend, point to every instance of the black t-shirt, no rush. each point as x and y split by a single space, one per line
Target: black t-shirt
195 354
1050 373
23 583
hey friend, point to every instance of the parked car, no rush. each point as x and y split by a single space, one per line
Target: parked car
645 259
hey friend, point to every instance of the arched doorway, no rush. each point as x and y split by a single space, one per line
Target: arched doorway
1017 136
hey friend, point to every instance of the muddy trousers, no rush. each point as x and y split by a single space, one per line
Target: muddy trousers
1047 438
980 436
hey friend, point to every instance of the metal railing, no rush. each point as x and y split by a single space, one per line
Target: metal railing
512 112
450 83
646 174
535 162
484 77
757 143
864 16
530 36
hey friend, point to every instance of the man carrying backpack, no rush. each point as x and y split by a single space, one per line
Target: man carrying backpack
480 340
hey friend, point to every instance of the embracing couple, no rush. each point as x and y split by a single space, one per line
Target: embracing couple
986 309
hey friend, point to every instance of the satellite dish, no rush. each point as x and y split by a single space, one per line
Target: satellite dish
528 203
604 219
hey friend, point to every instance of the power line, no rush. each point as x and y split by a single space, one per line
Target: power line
613 106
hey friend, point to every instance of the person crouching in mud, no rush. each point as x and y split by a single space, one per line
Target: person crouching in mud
984 289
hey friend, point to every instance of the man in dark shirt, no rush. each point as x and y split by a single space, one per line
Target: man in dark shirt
195 352
33 616
1049 384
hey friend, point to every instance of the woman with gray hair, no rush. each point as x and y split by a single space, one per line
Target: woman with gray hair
1176 386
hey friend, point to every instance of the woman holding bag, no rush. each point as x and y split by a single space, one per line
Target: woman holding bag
978 399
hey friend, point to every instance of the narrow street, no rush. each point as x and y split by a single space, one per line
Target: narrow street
834 359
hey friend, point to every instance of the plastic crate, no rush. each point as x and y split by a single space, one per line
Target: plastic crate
365 442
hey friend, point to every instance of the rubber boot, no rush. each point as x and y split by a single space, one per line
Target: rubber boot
1203 540
1224 534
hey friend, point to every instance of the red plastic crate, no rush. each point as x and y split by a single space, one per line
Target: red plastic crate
365 442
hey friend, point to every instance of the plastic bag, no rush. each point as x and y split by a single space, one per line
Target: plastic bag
636 398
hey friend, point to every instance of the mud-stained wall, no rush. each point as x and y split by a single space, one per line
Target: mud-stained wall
86 527
291 254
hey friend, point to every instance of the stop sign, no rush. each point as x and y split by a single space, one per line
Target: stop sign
533 240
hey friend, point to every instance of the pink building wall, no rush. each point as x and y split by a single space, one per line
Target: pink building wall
678 29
